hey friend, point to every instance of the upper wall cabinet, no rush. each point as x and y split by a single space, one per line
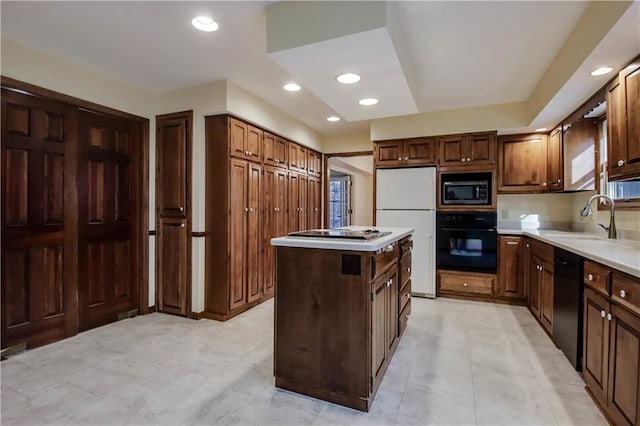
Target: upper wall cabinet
246 140
468 149
623 118
275 150
406 152
554 161
522 163
579 141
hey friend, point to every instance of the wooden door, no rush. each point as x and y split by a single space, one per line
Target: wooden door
238 144
452 151
302 159
272 201
239 211
525 267
254 246
631 144
624 367
292 147
293 216
392 307
420 152
535 296
480 148
281 192
39 225
388 153
522 163
281 149
596 344
314 162
616 129
546 295
510 284
254 143
173 201
378 327
314 221
303 202
172 266
269 149
555 162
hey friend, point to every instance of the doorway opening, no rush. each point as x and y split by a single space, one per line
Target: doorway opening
339 199
349 189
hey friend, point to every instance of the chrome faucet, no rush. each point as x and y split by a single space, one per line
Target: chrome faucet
612 222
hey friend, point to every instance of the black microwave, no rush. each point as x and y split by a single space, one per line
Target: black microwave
466 189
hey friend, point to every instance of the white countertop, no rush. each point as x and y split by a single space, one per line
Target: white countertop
344 243
623 255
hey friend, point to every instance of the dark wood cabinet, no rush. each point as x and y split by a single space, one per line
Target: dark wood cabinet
392 307
546 294
541 276
274 150
238 138
456 283
510 268
555 164
522 163
535 292
297 157
475 149
298 201
314 219
173 201
314 163
274 189
612 342
379 327
623 124
406 152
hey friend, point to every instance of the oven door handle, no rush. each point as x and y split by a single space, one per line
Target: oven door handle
469 229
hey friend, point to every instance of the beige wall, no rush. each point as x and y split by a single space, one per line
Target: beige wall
625 219
356 142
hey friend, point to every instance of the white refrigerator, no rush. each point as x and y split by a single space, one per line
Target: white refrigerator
407 198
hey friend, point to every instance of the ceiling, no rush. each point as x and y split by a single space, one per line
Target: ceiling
415 56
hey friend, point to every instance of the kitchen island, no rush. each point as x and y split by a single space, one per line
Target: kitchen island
341 306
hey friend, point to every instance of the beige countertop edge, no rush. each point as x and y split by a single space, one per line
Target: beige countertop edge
345 244
623 255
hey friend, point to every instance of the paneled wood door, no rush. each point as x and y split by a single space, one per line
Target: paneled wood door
314 200
596 343
522 163
274 221
254 243
39 227
293 222
173 222
238 233
106 263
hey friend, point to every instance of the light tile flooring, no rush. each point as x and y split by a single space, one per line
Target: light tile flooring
458 363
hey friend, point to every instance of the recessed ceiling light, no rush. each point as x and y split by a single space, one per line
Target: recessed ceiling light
541 129
333 118
368 101
348 78
291 87
601 71
204 23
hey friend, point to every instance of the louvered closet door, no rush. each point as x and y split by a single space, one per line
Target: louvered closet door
38 220
106 263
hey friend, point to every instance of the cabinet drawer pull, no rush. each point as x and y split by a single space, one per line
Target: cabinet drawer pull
388 248
603 314
620 163
512 243
609 317
544 184
468 159
623 294
590 277
182 225
465 284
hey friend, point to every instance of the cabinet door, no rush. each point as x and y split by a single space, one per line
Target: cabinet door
254 143
314 161
302 158
378 327
238 138
303 202
392 307
281 193
172 264
254 247
269 207
421 151
171 154
269 149
451 151
388 153
525 267
314 221
546 292
596 344
624 367
579 167
294 162
522 163
294 206
536 286
631 144
480 148
509 283
238 236
555 164
281 151
616 129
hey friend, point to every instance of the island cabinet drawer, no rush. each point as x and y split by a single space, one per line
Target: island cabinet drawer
596 277
404 296
406 245
405 270
466 283
382 261
403 318
626 291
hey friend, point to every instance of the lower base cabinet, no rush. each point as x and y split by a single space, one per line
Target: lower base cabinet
465 284
541 276
612 343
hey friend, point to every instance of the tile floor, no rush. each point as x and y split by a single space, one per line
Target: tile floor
458 363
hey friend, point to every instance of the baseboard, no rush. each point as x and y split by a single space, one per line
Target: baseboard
196 315
152 309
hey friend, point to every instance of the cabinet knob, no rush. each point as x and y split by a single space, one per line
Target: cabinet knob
620 163
468 159
182 225
246 209
246 153
406 158
528 245
590 277
464 160
603 314
277 161
544 183
251 209
388 248
399 158
465 284
408 295
316 209
181 209
623 294
609 317
559 181
408 269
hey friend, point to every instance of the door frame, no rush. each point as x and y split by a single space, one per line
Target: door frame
326 178
140 232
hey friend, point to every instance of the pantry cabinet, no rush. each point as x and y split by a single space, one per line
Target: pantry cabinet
623 124
406 152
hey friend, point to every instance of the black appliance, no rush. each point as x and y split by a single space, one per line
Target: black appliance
465 189
567 305
466 241
365 234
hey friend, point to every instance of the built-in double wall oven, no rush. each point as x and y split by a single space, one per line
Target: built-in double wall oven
466 241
